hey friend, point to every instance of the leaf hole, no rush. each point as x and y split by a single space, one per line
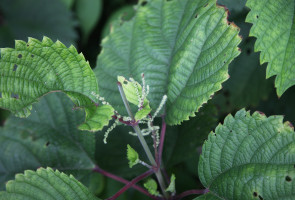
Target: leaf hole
214 134
260 197
13 95
47 144
231 131
228 23
255 194
125 82
20 56
206 5
288 178
196 15
28 45
257 16
15 67
224 62
32 55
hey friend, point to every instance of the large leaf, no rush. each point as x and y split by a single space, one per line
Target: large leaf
182 46
250 157
48 137
45 184
36 68
274 26
36 18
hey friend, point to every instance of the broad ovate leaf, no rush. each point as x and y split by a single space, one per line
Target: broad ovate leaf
183 47
35 68
250 157
47 138
274 27
45 184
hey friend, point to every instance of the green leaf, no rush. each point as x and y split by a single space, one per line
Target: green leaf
45 184
124 13
33 69
250 157
133 92
152 186
183 47
171 187
88 13
36 18
48 137
208 196
274 27
132 156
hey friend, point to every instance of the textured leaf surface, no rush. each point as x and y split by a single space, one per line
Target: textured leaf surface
36 18
36 68
208 196
274 27
48 137
45 184
250 157
182 46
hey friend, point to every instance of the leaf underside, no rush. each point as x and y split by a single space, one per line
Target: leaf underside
183 47
33 69
250 157
45 184
274 27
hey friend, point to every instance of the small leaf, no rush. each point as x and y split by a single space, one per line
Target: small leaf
274 27
45 184
152 187
171 187
133 92
250 157
132 156
33 69
183 47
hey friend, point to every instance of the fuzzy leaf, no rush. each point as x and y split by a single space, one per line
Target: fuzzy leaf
45 184
152 186
274 27
33 69
250 157
183 47
48 137
132 156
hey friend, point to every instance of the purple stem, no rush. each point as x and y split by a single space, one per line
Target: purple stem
122 180
190 192
131 183
162 138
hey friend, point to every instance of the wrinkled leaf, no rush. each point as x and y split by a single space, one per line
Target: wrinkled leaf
250 157
33 69
182 46
45 184
274 27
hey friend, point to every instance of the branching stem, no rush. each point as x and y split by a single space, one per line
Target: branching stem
130 184
122 180
143 143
